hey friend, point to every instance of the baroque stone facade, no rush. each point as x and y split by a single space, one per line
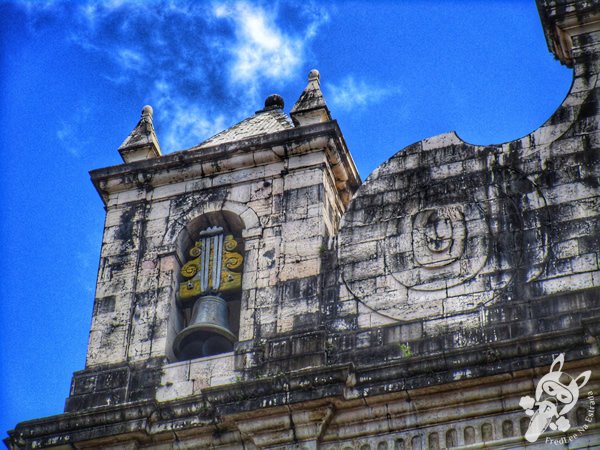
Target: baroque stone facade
413 311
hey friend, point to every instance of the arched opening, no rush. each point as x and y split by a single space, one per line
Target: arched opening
469 435
487 432
451 438
211 251
507 429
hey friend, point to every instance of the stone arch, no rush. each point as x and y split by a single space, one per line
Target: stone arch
524 424
235 219
469 435
487 432
416 442
507 429
433 441
179 223
580 415
451 438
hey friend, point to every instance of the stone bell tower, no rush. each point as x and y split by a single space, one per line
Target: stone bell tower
251 295
211 249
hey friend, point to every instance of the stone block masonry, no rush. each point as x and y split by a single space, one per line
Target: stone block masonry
414 311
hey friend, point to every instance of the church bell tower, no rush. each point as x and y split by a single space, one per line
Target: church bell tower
253 294
210 250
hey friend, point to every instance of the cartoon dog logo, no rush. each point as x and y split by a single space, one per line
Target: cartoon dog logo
555 395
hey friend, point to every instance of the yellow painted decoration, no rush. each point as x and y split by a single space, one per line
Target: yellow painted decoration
230 243
195 250
200 272
231 265
189 289
190 268
230 281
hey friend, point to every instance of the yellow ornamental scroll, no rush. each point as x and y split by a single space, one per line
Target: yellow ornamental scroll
231 267
215 265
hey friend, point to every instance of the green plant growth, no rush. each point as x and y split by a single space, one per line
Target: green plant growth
405 350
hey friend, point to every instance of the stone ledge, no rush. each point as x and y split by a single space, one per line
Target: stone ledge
344 390
214 159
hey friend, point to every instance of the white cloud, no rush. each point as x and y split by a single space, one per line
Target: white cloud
86 251
352 94
203 64
89 11
131 59
185 124
189 125
70 134
261 50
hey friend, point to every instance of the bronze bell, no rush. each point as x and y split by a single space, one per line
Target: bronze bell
208 332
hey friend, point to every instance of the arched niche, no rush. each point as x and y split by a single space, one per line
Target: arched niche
185 310
231 223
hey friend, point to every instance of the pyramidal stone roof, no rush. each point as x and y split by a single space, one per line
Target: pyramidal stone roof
309 109
268 120
142 142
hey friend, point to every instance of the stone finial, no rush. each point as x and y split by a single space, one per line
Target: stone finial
274 101
147 112
142 142
311 107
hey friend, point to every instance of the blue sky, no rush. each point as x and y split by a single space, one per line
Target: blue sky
75 75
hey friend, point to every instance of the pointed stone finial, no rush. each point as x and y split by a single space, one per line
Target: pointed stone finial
142 142
147 112
311 107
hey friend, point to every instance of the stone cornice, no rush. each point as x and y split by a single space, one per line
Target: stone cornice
232 410
562 20
251 152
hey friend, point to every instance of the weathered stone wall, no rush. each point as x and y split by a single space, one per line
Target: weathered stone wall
446 229
282 193
335 407
417 318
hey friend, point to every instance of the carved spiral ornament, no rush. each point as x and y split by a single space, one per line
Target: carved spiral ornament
189 270
215 266
233 261
443 245
230 244
448 246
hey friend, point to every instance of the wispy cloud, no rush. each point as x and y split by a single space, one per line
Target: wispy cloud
260 49
203 64
69 133
131 59
357 94
86 252
186 117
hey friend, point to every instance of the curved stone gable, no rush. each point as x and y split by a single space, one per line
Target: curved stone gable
459 274
444 226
